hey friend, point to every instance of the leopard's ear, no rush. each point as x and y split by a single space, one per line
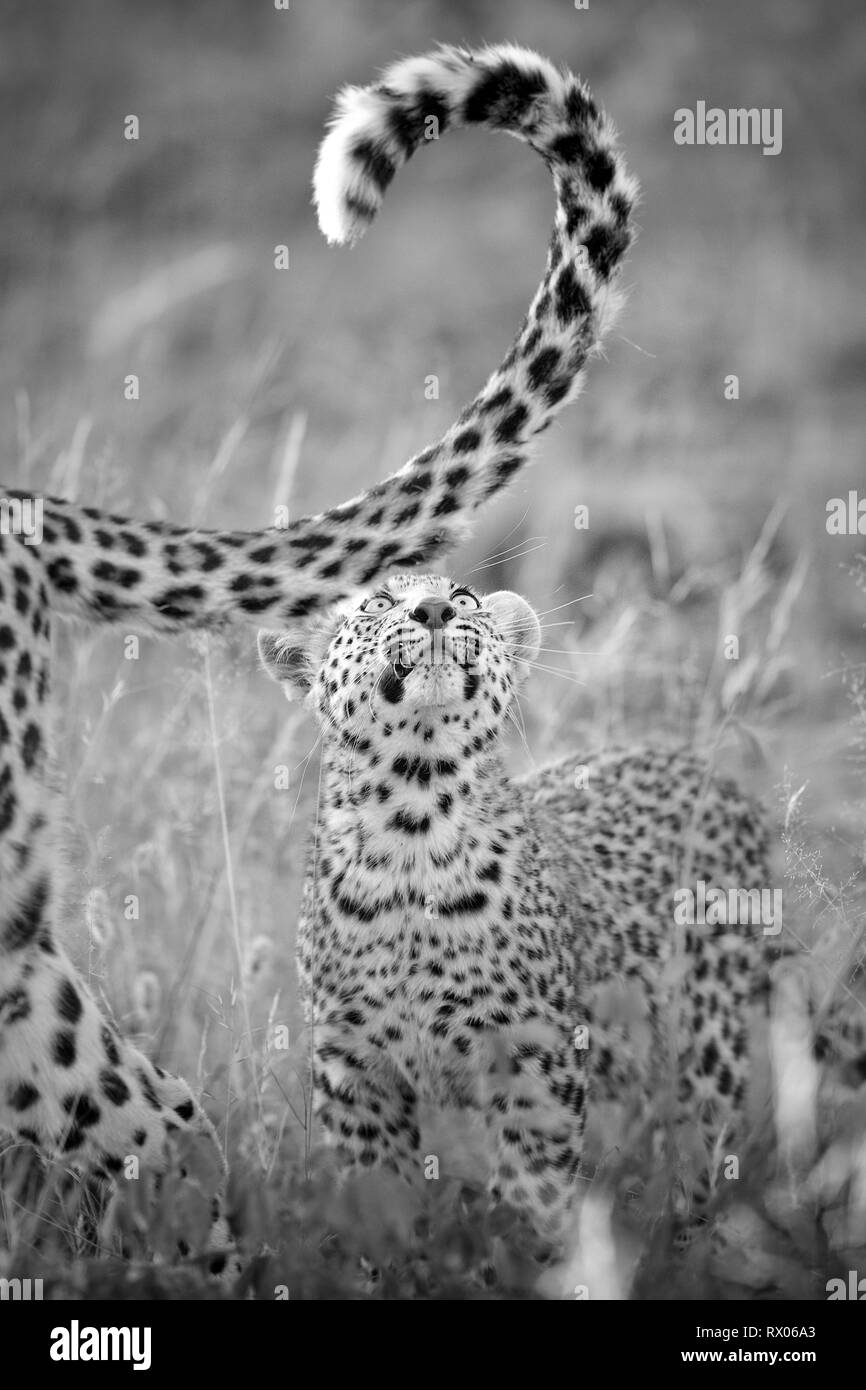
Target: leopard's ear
294 657
286 662
518 624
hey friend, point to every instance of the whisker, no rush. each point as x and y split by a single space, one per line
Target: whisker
520 726
373 715
307 756
527 540
306 763
557 651
582 599
514 528
554 671
519 555
516 625
515 554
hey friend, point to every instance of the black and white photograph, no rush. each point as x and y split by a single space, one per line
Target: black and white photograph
432 665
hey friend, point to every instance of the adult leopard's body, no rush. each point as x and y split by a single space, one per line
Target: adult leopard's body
68 1082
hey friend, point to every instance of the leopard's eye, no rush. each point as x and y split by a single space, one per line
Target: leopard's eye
379 603
464 600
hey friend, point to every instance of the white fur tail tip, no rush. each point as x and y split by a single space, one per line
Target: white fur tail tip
346 198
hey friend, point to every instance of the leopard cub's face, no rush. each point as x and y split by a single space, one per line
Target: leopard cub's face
418 645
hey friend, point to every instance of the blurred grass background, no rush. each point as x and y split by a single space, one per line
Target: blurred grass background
261 387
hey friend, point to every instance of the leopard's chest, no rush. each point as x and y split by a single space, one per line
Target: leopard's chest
431 949
415 969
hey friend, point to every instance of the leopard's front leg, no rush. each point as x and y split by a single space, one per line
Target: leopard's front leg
367 1109
536 1121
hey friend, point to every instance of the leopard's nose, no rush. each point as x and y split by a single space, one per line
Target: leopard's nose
433 613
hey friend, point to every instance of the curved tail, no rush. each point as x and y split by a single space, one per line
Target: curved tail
374 131
108 568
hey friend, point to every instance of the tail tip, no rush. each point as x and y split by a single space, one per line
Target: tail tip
345 197
342 218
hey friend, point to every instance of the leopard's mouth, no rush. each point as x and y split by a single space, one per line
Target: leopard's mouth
425 667
420 684
430 654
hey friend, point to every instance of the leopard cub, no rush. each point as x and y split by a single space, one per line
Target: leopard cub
459 926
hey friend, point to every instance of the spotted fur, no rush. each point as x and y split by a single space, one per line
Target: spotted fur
68 1082
460 927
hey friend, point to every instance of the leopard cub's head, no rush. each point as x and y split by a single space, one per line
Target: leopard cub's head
419 649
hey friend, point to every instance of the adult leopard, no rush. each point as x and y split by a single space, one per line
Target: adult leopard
68 1082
